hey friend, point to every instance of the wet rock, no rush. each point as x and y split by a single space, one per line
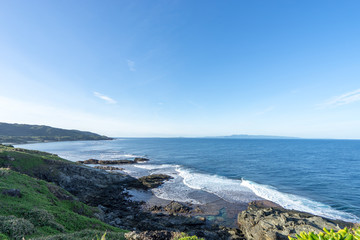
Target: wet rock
274 223
140 160
156 208
12 193
149 235
176 207
109 168
154 180
107 162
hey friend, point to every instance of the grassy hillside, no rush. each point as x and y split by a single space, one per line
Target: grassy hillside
23 133
27 161
38 209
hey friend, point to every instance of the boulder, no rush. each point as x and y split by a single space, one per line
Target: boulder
176 207
154 180
276 223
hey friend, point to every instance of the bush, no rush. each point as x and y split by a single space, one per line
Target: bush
41 217
3 237
343 234
15 227
184 236
85 235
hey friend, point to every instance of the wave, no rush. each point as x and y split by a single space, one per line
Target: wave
291 201
228 189
186 181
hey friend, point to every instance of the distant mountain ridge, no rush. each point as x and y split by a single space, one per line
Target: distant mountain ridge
25 133
245 136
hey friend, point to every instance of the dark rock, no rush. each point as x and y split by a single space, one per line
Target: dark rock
156 208
176 207
109 168
276 223
106 162
154 180
12 193
140 160
149 235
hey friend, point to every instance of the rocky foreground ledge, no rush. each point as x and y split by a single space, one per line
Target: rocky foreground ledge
264 220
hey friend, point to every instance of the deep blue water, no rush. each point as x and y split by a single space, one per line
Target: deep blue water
318 176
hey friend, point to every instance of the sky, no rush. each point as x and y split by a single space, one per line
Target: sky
139 68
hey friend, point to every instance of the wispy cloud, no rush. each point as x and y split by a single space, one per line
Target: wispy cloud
343 99
268 109
105 98
131 65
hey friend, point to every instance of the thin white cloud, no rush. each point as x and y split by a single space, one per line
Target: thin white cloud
105 98
268 109
131 65
343 99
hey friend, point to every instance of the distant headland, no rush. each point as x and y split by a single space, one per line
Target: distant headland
25 133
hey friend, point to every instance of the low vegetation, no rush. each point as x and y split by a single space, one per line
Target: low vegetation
27 161
35 209
343 234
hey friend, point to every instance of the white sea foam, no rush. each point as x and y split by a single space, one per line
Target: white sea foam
225 188
290 201
186 181
155 167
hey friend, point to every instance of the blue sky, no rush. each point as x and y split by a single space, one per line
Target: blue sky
183 68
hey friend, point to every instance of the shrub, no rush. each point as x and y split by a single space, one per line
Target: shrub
184 236
342 234
85 235
41 217
15 227
4 172
3 237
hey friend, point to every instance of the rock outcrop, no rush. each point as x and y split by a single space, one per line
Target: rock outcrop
108 162
276 223
108 168
154 180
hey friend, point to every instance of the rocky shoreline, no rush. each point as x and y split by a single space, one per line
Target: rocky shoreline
112 193
108 191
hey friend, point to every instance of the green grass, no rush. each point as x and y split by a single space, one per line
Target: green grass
342 234
39 212
28 161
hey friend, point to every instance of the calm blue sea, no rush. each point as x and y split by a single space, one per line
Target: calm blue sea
316 176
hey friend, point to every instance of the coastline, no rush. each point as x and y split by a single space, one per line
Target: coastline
113 194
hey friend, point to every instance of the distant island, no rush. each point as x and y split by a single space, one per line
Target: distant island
245 136
25 133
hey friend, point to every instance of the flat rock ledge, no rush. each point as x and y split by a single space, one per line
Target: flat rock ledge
154 180
260 222
109 168
108 162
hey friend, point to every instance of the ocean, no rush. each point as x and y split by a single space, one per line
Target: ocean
321 177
